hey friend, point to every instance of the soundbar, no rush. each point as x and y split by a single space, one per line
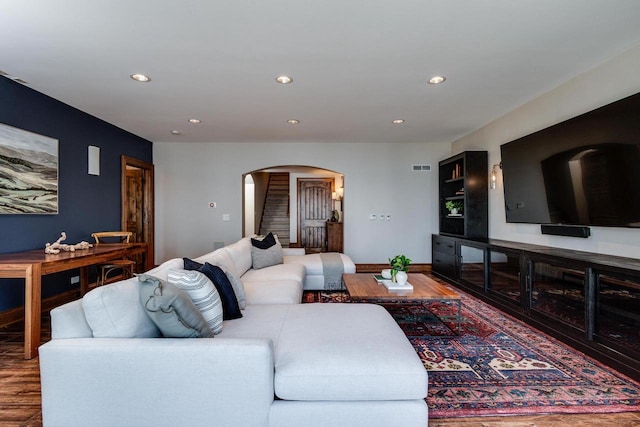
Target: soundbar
566 230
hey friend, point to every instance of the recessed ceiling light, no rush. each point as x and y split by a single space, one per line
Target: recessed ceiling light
140 78
293 121
195 121
398 121
176 132
285 80
436 80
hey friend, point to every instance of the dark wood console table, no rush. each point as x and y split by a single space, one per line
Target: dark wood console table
32 265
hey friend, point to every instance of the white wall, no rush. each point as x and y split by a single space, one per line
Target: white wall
378 179
616 79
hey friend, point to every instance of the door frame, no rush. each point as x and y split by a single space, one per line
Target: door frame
148 212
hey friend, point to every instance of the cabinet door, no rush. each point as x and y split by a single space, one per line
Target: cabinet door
334 237
617 312
443 257
558 291
472 266
505 279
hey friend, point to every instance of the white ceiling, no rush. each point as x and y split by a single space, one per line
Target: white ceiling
356 64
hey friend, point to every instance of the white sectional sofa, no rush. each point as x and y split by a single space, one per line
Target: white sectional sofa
281 364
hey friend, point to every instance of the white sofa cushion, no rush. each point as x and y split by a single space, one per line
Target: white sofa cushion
162 271
275 273
203 294
68 321
240 254
114 311
219 257
258 321
275 292
346 352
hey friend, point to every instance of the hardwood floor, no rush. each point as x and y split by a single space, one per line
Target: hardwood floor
19 378
20 395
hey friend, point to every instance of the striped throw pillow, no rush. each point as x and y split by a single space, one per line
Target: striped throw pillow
203 294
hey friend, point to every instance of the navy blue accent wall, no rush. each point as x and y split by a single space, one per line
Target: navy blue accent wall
87 203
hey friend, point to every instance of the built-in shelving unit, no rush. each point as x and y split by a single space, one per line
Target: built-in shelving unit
463 180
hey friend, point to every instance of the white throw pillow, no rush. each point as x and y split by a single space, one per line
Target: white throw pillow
202 292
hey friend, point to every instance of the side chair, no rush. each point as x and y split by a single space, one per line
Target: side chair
126 266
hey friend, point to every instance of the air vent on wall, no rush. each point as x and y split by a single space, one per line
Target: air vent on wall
419 168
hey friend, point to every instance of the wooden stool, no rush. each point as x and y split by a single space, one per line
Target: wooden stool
125 265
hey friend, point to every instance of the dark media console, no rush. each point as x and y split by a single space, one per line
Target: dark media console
589 301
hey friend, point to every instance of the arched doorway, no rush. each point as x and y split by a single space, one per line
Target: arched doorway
281 204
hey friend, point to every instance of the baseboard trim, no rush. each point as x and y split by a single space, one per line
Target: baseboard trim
15 315
376 268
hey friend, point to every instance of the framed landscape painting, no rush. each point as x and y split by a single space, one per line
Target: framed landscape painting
28 172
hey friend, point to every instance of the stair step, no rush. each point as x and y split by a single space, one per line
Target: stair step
275 214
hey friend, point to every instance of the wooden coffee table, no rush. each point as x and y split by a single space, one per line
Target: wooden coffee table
364 287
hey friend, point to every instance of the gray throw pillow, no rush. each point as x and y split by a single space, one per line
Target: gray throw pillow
262 258
203 294
172 310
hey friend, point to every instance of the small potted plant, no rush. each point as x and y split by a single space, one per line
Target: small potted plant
453 207
399 263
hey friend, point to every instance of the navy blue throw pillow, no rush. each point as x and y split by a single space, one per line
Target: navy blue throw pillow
268 241
230 308
190 264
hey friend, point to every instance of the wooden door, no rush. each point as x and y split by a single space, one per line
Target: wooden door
134 201
137 205
314 209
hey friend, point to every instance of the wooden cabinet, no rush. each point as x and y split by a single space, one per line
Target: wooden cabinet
444 257
334 236
589 301
463 182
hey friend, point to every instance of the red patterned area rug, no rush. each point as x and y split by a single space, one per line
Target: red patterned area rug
500 366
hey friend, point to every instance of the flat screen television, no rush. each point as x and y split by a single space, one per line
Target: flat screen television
583 171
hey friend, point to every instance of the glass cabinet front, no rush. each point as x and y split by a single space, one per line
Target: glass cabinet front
504 275
618 311
472 265
559 292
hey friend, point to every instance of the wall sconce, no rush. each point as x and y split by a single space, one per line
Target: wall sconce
93 167
337 195
493 177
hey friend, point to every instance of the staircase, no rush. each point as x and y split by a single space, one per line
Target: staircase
275 214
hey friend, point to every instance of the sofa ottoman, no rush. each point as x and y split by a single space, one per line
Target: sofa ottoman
345 352
337 365
314 279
